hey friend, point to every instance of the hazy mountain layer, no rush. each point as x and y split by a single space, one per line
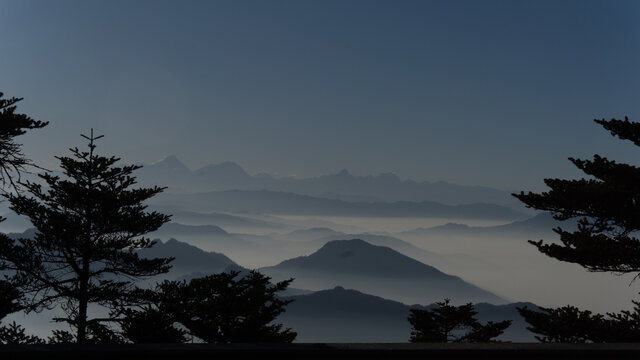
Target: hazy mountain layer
274 202
376 270
340 315
342 185
188 258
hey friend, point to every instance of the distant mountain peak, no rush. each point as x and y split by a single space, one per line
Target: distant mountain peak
171 162
343 173
347 243
168 160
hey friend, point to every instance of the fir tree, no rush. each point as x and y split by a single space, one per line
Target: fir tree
567 324
225 308
12 160
9 298
89 228
449 323
607 206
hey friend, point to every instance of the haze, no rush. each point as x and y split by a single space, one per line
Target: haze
494 93
283 129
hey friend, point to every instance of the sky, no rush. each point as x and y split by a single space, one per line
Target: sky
492 93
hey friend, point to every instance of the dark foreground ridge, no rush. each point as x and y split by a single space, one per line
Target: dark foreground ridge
324 351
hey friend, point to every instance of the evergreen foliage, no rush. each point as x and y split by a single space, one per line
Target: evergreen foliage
569 324
12 160
89 228
449 323
12 164
607 205
15 334
150 325
220 308
9 298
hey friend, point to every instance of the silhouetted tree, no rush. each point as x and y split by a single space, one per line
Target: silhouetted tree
449 323
9 298
150 325
89 228
607 205
567 324
227 307
12 160
624 326
12 164
15 334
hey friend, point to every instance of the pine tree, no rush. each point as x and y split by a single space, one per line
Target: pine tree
12 164
449 323
89 227
224 308
12 160
607 206
9 298
567 324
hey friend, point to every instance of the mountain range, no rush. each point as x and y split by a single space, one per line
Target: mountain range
376 270
540 225
284 203
387 187
346 315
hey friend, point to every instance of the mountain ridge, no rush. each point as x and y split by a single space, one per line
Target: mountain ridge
376 270
229 175
280 202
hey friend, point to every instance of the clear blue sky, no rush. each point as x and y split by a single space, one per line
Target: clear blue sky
494 93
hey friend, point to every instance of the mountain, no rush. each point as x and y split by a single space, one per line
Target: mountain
318 237
396 244
248 249
169 172
188 258
343 185
539 225
376 270
341 315
227 175
231 223
275 202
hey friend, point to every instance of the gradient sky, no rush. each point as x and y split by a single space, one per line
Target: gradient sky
495 93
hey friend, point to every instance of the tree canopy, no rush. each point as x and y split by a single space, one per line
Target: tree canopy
449 323
229 307
12 124
568 324
606 204
89 227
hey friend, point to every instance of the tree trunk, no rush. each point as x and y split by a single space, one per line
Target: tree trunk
81 320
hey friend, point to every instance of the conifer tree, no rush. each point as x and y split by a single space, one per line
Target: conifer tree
12 163
607 206
219 308
89 228
566 324
449 323
12 124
